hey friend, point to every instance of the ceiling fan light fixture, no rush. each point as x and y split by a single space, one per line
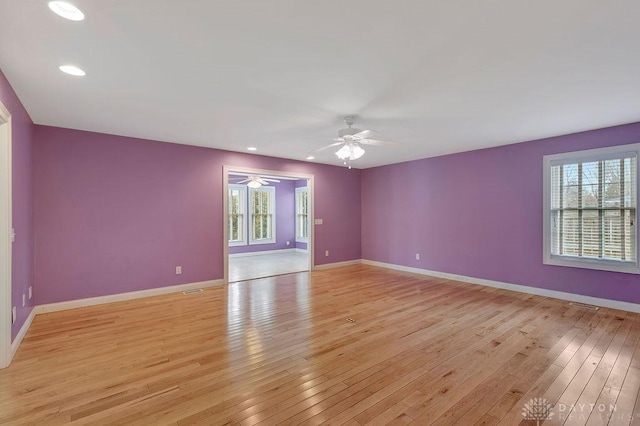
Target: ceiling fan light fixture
254 184
356 152
344 152
350 151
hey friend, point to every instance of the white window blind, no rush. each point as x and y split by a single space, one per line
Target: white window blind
262 207
592 208
236 214
302 214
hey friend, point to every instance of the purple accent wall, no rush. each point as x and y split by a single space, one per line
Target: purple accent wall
22 195
285 220
116 214
479 214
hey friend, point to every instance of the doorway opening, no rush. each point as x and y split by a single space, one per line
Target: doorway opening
6 313
268 217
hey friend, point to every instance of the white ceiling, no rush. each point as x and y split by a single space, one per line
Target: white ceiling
437 76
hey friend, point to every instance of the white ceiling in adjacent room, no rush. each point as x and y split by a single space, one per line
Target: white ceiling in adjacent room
436 76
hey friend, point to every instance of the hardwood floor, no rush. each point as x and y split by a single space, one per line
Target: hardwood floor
356 345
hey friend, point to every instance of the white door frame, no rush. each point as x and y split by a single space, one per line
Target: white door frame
5 236
226 170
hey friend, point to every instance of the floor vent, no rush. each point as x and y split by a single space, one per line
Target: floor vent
584 305
197 290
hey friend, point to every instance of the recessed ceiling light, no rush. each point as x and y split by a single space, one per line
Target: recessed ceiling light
72 70
66 10
311 157
252 148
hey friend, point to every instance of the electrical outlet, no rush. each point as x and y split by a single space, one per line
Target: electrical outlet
417 256
178 270
24 300
30 292
14 315
326 253
288 242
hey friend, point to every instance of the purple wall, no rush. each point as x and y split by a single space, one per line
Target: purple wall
115 214
22 194
479 214
285 220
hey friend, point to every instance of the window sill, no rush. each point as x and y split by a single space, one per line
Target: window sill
600 265
259 242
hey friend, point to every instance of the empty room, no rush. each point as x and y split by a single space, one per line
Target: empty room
338 212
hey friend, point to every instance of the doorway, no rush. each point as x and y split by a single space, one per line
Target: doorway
5 237
268 217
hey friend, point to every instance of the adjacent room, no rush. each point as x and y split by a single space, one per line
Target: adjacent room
343 213
268 226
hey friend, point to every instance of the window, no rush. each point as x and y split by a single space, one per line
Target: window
590 209
237 215
262 207
302 215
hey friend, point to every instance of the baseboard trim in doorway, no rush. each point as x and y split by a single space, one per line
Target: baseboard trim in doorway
81 303
607 303
338 264
260 253
23 331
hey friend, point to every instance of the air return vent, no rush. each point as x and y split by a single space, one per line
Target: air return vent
195 291
584 305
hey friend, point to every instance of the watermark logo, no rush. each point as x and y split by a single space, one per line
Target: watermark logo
537 409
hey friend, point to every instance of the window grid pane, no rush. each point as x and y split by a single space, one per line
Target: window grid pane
261 215
302 221
593 209
236 216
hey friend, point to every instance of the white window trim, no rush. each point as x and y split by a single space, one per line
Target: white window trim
579 262
243 198
271 240
298 238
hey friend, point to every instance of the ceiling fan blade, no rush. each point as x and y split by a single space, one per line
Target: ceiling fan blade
331 145
365 134
270 180
376 142
246 180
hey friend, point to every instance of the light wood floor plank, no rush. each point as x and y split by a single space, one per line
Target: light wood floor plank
352 346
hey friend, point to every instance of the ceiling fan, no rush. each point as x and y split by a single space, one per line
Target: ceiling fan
351 141
255 181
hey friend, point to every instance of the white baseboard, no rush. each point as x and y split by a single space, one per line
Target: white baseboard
338 264
23 331
607 303
80 303
259 253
